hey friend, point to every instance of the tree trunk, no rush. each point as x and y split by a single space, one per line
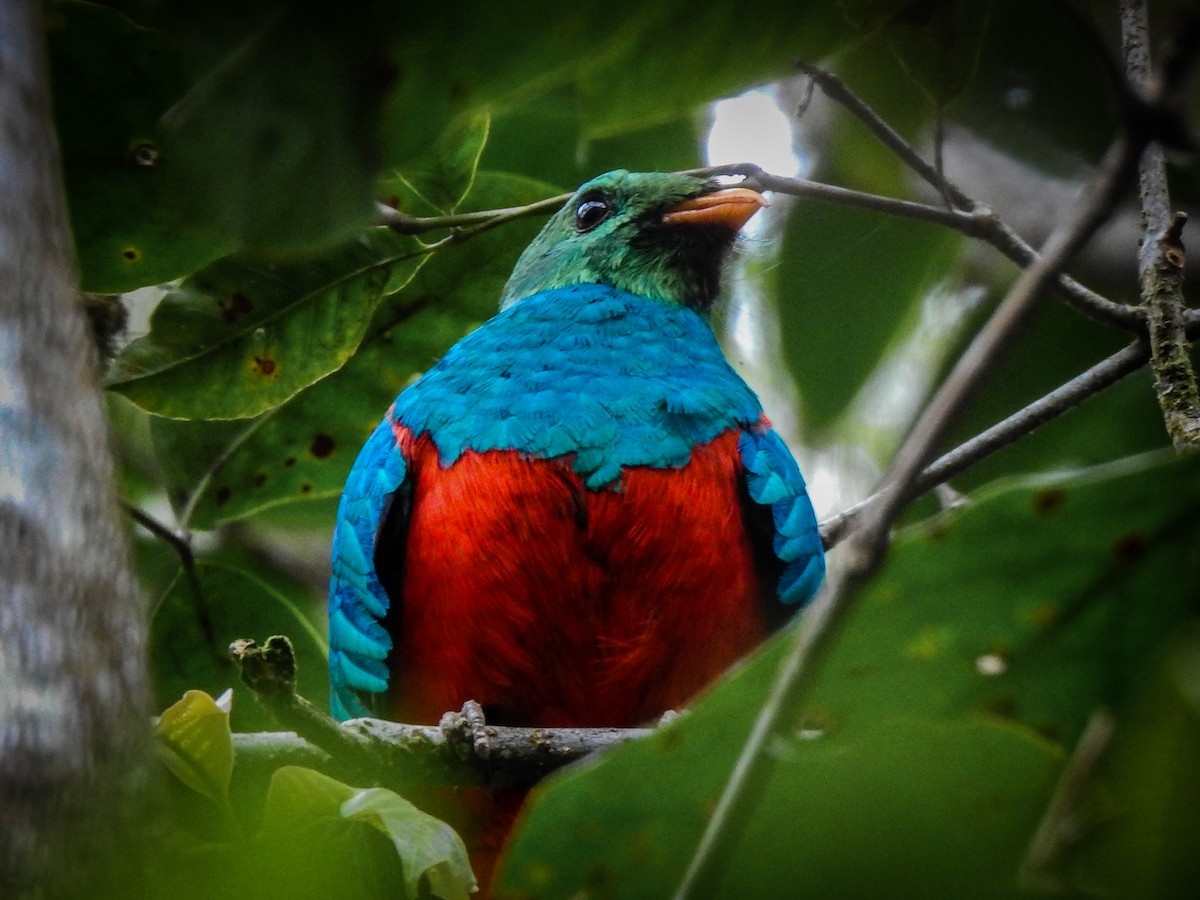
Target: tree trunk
72 688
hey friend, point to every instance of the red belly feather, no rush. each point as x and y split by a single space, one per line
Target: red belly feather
554 605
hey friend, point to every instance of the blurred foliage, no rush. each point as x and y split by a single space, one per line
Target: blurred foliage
234 155
924 756
315 837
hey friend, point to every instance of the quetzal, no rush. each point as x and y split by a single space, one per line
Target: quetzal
579 516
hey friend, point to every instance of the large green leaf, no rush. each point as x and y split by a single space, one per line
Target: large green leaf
687 53
304 448
242 336
429 848
564 155
112 81
925 755
276 137
305 809
1144 802
317 838
441 182
196 621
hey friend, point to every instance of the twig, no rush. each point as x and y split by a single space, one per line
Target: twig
811 641
837 90
1161 257
179 542
1063 398
1096 203
981 223
974 223
977 220
1065 821
402 223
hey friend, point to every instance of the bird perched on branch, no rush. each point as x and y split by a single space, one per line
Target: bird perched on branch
580 515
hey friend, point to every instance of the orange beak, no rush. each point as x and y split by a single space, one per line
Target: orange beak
731 207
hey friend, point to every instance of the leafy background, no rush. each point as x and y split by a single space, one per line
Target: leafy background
224 163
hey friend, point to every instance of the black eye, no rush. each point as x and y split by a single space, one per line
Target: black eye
590 212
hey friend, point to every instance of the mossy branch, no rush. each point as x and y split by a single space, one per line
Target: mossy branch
1161 258
462 750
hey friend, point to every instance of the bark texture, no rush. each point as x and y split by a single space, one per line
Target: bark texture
72 688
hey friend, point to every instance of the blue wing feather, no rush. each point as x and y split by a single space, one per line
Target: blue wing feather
358 643
773 479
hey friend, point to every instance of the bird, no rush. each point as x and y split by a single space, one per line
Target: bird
580 515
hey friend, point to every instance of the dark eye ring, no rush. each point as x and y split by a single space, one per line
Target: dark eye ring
590 212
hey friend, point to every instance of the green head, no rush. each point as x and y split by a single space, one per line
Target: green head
649 233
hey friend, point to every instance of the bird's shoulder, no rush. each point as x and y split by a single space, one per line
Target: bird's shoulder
613 378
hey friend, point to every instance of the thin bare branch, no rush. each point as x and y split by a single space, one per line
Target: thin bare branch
1095 205
1066 821
1066 397
837 90
403 223
977 220
177 541
977 224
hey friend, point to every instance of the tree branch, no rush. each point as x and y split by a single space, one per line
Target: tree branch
1066 821
813 636
461 751
1096 203
1161 256
402 223
837 90
977 220
1063 398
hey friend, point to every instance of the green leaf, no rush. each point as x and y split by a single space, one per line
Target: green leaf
429 848
194 624
297 796
684 54
938 44
304 448
444 179
112 82
195 742
470 59
848 286
242 336
919 765
1039 67
878 814
564 156
1144 803
276 139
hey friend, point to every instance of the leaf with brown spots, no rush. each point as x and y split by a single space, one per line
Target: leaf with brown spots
240 337
313 438
113 81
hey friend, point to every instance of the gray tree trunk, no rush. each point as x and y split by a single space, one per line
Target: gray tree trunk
72 690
